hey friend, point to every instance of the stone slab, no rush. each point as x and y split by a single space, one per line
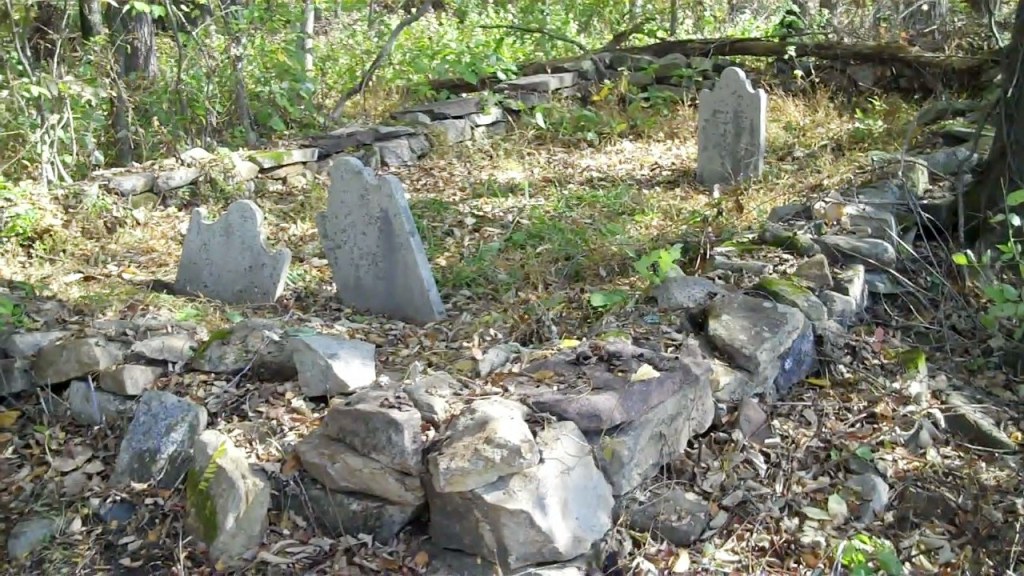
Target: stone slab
227 260
373 247
731 130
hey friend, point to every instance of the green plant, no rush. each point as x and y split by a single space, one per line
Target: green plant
865 555
202 506
1006 304
869 121
12 313
658 264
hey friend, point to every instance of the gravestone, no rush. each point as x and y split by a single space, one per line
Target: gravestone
731 130
227 260
373 247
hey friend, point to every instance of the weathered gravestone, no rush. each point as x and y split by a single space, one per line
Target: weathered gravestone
373 247
227 260
731 130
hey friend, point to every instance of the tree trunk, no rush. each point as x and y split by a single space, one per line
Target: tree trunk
232 16
308 29
1003 172
90 16
136 56
673 18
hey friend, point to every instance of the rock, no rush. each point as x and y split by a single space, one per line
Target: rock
878 282
487 118
329 365
673 514
450 132
533 516
788 212
800 244
231 350
455 108
886 192
732 385
965 419
196 155
670 66
429 394
815 271
95 407
228 511
852 282
285 172
916 178
344 513
918 506
633 452
752 422
868 251
767 339
378 425
741 267
391 132
874 495
29 535
414 118
228 260
641 79
395 152
25 344
74 358
129 379
15 377
951 161
175 179
158 444
132 184
631 62
242 169
274 158
792 294
671 93
539 83
144 201
173 348
942 110
881 224
680 292
841 308
489 439
341 469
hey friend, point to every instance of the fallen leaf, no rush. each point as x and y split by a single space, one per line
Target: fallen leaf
682 563
421 559
644 372
837 509
815 513
291 465
8 418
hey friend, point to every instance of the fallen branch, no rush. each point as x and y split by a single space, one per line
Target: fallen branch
385 51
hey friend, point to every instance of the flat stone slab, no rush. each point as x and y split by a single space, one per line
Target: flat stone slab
539 83
445 109
374 250
227 260
731 130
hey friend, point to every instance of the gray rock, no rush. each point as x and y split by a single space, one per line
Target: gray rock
158 444
390 132
429 394
777 236
966 419
539 83
175 179
916 178
792 294
879 282
487 440
258 341
488 117
25 344
881 224
284 172
671 65
415 118
631 62
450 132
242 169
641 79
379 425
29 535
228 260
673 514
229 513
741 266
787 212
166 347
884 192
196 155
418 145
852 282
274 158
534 516
344 513
15 376
374 249
341 469
731 130
841 308
731 385
93 407
951 161
671 93
74 358
330 365
680 292
633 452
395 152
129 379
815 271
868 251
455 108
132 184
768 339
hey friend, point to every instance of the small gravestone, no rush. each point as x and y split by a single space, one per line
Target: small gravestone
731 130
373 247
227 260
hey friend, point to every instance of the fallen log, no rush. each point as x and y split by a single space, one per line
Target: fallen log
962 66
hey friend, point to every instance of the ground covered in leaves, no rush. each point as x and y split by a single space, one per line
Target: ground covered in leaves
534 239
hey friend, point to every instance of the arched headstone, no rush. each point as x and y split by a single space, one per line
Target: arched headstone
731 130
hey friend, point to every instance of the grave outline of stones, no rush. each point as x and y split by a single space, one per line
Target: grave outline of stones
378 262
242 226
724 126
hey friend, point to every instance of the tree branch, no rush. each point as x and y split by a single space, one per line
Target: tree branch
541 31
385 51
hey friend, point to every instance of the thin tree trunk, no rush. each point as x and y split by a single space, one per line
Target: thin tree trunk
236 43
673 18
1004 170
308 29
135 51
91 16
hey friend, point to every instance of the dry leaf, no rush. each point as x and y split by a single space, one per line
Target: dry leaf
291 465
8 418
644 372
682 563
421 559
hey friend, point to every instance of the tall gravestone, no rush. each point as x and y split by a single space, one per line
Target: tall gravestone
227 260
372 245
731 130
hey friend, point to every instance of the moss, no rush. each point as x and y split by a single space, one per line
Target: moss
201 505
784 288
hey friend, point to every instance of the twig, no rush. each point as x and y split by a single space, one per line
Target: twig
385 51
